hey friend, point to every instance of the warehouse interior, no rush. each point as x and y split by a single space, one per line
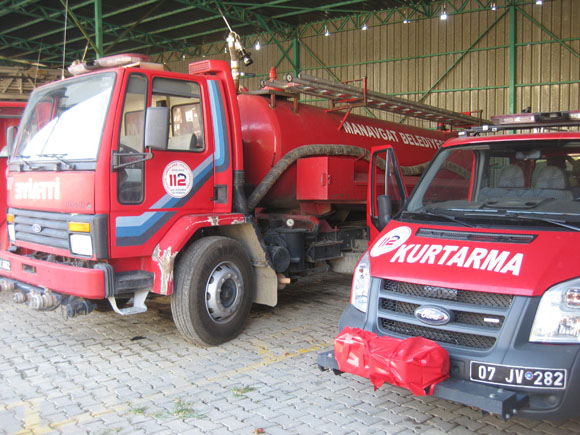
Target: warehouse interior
486 57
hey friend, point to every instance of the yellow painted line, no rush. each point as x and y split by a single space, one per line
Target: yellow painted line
264 363
33 425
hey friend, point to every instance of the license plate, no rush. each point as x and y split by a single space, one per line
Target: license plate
529 377
5 264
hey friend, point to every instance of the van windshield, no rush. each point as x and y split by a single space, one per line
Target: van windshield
64 122
524 183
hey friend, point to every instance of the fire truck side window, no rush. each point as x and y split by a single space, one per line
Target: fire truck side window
130 177
186 116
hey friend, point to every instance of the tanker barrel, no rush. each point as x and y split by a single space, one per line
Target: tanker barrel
304 151
316 150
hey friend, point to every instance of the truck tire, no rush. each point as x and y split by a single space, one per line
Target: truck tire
213 291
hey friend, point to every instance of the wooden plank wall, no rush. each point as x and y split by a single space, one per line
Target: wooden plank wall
461 64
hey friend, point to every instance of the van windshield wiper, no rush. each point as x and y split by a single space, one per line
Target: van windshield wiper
555 222
433 213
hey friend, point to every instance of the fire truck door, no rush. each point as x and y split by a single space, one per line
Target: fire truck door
386 192
155 191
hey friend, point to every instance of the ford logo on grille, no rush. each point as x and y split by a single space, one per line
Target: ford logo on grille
433 315
36 228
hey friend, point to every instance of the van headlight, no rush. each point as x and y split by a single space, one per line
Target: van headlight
558 317
361 282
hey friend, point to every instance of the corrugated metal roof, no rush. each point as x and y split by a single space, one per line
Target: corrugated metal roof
33 31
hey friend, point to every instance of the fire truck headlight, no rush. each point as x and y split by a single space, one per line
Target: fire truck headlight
11 232
361 282
81 244
10 227
558 317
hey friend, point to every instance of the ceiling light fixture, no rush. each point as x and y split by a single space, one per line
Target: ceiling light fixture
444 14
364 26
493 7
257 46
539 2
326 31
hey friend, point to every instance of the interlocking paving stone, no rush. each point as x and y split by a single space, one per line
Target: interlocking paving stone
107 374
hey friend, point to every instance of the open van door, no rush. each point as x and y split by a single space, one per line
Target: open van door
386 192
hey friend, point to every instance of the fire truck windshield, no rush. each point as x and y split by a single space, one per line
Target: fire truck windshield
525 183
64 122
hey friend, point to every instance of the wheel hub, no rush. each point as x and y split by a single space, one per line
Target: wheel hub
224 291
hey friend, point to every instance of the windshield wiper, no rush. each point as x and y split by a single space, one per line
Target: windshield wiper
439 215
66 164
555 222
23 162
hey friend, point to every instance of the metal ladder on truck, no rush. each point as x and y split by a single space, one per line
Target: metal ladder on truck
346 97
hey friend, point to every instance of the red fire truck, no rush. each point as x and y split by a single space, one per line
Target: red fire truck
128 180
10 114
481 259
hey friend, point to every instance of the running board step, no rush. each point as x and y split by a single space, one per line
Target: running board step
138 304
133 281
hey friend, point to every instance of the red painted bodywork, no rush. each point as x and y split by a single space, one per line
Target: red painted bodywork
257 136
550 258
547 260
10 114
270 133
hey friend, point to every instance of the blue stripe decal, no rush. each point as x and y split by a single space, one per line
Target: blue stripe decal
137 230
222 143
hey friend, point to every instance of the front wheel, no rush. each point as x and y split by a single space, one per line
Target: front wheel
213 291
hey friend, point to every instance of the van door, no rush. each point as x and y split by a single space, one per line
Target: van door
386 192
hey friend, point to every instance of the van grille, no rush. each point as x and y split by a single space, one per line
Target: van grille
476 317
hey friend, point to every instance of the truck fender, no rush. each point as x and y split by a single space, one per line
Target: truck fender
233 226
266 278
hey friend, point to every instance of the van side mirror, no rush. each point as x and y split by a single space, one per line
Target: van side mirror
385 211
157 128
10 137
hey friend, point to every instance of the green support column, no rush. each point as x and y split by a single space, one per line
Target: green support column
296 48
512 71
99 28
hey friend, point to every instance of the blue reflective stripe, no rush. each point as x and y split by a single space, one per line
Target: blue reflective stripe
137 230
222 143
200 176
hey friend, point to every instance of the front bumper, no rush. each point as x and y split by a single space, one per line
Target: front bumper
497 401
69 280
512 349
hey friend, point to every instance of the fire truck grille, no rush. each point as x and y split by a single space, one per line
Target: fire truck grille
43 228
475 319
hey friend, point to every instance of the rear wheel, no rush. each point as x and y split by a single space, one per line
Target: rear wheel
213 291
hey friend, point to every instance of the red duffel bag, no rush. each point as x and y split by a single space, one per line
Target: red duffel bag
415 363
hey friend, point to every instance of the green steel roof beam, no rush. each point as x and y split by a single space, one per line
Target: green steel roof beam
549 32
44 13
463 54
328 8
81 27
241 16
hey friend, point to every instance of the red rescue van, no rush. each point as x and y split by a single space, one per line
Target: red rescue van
481 260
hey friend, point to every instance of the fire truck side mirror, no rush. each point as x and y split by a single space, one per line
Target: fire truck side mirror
385 211
157 128
10 136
